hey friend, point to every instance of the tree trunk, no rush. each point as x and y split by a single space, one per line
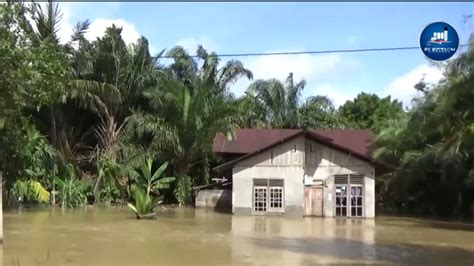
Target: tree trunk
182 168
181 171
53 140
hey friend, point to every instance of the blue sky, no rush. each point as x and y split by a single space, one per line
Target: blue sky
270 27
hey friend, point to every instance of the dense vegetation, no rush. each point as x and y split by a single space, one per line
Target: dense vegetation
102 122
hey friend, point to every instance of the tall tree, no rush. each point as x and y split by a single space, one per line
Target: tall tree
33 74
369 111
319 112
185 112
278 102
432 147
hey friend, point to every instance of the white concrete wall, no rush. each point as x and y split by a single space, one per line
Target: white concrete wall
288 161
219 200
323 162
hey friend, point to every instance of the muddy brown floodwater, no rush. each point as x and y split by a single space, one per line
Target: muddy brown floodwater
198 237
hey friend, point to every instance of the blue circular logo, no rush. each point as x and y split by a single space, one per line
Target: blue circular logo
439 41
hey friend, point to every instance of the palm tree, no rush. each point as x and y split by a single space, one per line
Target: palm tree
182 123
247 113
186 111
278 101
109 87
319 112
206 68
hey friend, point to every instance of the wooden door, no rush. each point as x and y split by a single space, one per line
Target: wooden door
313 197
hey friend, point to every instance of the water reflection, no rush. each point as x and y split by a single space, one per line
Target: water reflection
189 236
292 241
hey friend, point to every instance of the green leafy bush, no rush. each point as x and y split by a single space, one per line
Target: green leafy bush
30 191
183 190
72 192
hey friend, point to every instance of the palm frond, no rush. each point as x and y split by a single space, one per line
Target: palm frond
47 20
79 30
101 98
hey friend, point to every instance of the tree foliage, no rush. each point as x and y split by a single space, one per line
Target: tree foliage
91 118
369 111
432 147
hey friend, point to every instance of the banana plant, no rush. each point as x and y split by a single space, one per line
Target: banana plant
145 191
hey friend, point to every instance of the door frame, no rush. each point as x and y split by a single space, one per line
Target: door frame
322 200
334 198
348 197
350 200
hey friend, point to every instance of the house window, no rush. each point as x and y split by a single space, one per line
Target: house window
349 195
260 199
268 195
276 197
356 201
341 200
356 183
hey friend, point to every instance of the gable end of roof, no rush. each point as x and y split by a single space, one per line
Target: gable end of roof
325 140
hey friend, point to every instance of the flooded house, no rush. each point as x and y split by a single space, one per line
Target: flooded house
326 173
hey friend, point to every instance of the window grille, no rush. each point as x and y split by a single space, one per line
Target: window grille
260 199
349 194
268 195
276 197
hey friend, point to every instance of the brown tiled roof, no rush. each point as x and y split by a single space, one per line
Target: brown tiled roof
251 140
357 141
247 140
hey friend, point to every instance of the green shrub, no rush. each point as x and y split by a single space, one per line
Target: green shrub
72 192
30 191
183 190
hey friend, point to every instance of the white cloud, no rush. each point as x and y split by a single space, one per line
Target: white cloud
338 95
154 50
191 44
99 25
66 27
402 87
315 69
